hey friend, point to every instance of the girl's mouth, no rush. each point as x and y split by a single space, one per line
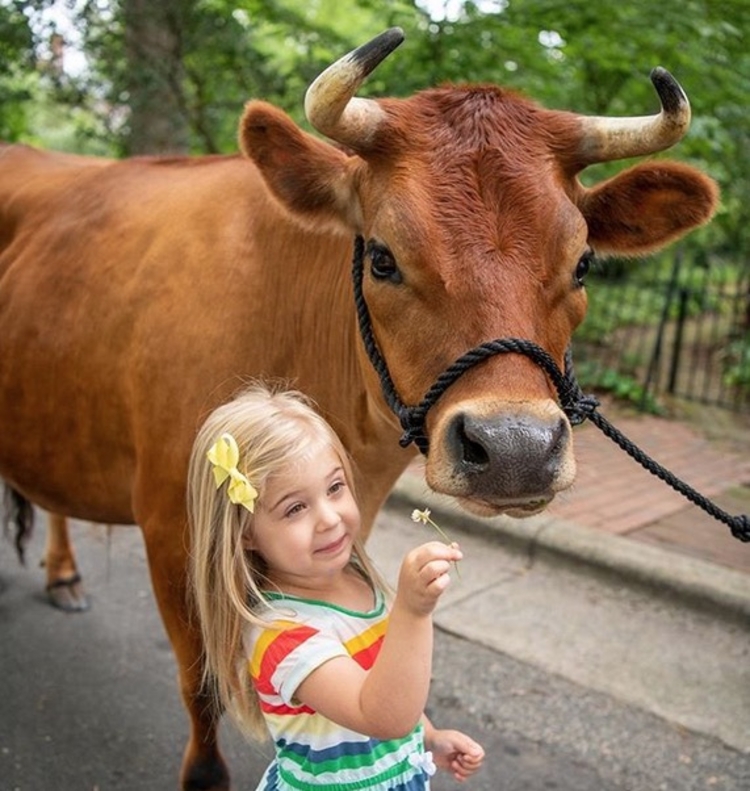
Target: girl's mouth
333 547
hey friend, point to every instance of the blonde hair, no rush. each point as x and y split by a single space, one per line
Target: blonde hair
273 428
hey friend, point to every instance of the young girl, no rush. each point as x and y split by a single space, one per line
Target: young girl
299 640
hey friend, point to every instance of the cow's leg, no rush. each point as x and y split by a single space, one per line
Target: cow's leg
203 767
64 584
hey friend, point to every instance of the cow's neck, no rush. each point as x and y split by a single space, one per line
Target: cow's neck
317 345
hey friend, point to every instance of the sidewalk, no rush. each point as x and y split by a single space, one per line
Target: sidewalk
621 518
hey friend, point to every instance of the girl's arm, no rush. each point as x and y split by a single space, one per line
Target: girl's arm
387 701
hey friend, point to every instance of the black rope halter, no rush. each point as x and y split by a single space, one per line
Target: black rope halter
574 403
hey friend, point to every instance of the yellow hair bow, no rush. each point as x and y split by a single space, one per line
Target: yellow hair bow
225 456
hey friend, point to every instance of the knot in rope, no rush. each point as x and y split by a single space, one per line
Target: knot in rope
577 405
412 422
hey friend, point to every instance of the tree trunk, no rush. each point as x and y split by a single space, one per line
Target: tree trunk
153 45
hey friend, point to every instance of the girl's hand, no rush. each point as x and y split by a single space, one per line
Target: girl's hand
424 576
455 752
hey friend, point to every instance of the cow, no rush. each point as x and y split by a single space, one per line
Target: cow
137 295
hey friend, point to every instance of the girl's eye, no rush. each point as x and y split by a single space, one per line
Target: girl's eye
295 509
337 487
382 263
582 268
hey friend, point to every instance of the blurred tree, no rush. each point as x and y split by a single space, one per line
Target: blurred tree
17 76
172 75
155 75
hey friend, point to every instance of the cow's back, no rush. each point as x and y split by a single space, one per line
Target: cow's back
134 296
29 174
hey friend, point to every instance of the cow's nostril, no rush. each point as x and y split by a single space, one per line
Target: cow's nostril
472 452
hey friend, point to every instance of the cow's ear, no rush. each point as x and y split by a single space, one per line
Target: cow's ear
647 207
309 176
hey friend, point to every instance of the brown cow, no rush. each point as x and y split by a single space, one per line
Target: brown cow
137 295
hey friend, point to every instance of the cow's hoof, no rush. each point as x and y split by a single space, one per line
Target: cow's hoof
206 776
68 595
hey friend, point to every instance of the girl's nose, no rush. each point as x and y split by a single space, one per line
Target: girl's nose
328 516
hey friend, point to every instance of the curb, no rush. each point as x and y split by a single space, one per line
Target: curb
697 583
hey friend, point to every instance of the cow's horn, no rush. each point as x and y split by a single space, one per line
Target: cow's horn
330 104
605 139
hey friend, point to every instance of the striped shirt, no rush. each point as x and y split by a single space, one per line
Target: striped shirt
311 750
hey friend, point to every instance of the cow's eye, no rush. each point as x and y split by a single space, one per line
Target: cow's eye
582 268
382 263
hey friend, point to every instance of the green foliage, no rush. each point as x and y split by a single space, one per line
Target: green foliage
592 375
612 307
16 72
736 363
632 293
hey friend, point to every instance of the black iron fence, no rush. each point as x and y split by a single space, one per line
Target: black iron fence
686 333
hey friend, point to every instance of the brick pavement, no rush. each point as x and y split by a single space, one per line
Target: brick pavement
615 494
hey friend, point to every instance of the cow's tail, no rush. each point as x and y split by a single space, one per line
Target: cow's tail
18 514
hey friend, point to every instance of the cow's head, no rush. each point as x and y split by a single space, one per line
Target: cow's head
477 227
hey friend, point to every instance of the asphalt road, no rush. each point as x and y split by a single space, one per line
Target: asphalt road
90 702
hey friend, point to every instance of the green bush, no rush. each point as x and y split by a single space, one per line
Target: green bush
592 375
736 363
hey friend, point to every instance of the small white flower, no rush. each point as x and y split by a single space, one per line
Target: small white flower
425 518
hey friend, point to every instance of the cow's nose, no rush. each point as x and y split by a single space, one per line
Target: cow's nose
514 456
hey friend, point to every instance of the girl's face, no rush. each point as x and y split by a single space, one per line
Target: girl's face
305 522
